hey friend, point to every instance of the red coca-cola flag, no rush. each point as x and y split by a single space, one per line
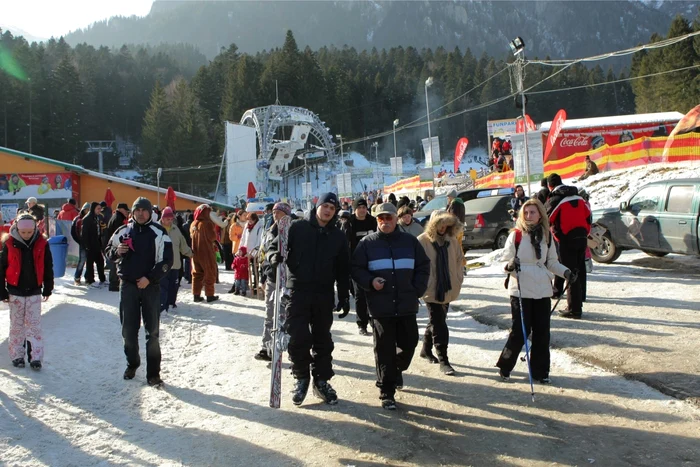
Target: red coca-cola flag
554 131
109 198
460 150
520 124
170 198
251 190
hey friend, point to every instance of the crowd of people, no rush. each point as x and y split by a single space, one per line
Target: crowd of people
372 251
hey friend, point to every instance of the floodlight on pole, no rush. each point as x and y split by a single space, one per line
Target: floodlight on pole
517 46
342 156
396 123
159 174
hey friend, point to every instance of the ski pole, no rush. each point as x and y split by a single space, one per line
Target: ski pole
560 296
522 325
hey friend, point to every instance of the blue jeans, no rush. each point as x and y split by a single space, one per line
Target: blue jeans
241 285
82 258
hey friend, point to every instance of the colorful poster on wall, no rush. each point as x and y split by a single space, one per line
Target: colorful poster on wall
40 185
9 210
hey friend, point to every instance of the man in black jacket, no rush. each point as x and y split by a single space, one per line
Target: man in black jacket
317 257
362 224
392 267
120 217
91 240
570 221
76 229
144 254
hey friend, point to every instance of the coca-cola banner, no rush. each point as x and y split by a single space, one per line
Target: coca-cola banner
582 139
459 151
554 131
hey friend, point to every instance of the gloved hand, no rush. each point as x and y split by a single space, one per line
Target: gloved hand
513 265
571 276
343 304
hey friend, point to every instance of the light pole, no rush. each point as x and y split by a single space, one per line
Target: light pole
30 114
342 157
396 123
158 175
428 83
517 46
375 145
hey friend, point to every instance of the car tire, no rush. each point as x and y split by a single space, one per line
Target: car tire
500 240
607 252
656 254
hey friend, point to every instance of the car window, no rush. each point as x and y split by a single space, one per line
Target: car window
481 205
647 199
680 199
436 203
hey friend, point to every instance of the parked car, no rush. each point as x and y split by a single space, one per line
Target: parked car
439 203
659 218
487 222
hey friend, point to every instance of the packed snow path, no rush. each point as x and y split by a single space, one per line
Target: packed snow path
213 410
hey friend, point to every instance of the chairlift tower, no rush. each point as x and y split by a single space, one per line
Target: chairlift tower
100 147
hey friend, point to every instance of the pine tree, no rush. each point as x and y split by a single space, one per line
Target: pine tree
157 131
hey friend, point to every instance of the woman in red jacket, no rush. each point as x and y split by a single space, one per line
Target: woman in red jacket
26 274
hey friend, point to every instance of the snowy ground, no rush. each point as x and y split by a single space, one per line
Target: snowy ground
213 410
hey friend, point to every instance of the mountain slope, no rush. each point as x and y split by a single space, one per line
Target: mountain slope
559 29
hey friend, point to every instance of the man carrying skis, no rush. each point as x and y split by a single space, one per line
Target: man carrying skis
317 257
393 268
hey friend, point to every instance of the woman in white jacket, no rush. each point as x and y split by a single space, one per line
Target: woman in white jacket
531 251
251 238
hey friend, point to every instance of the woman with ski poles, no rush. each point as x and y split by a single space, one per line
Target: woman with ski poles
532 264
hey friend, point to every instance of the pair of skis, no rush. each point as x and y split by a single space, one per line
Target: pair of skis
280 339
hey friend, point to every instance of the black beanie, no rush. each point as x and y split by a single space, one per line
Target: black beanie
142 203
359 202
327 198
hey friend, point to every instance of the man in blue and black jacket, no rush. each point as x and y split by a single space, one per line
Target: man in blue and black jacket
393 269
144 254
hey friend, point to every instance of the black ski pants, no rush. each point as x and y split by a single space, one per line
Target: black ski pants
309 320
537 321
574 258
395 341
135 304
436 332
228 255
361 307
94 258
113 277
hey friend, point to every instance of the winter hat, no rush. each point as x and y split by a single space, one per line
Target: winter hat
269 206
284 207
452 194
344 214
554 180
142 203
386 208
123 206
327 198
243 249
31 199
167 213
26 221
458 200
103 204
85 206
359 202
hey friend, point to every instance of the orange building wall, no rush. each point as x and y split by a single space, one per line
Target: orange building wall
94 189
9 163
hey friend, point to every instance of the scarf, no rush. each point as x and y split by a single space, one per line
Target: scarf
536 233
250 227
442 270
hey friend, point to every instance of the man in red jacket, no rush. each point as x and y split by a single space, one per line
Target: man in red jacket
69 211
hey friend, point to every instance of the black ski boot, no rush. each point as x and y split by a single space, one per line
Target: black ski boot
130 372
263 355
35 365
198 298
325 391
427 353
18 363
301 387
388 403
212 298
156 382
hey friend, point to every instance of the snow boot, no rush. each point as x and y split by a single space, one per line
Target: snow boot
233 290
301 388
77 282
363 331
18 363
446 368
130 372
427 350
263 355
504 375
198 298
35 365
569 314
212 298
325 392
155 381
